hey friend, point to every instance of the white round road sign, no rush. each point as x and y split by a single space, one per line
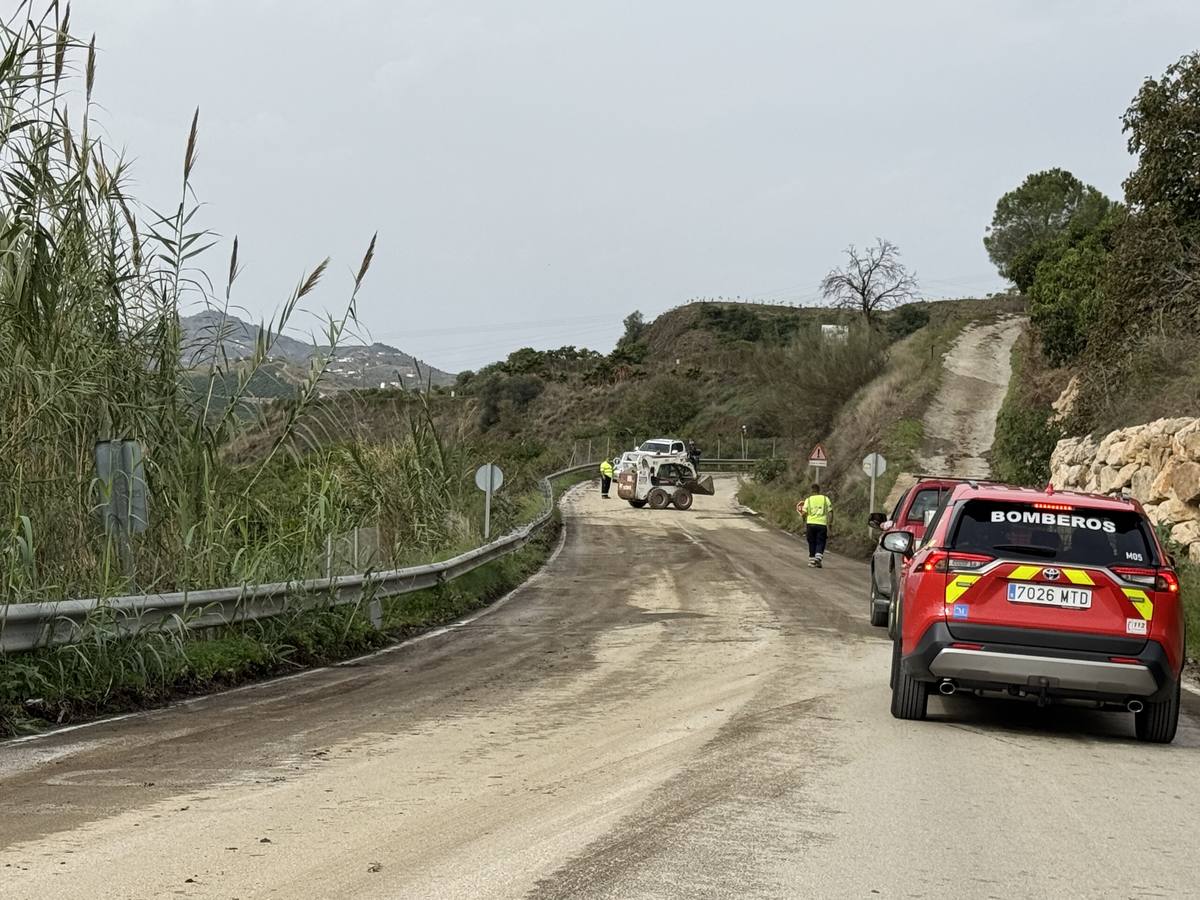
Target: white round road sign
874 464
486 471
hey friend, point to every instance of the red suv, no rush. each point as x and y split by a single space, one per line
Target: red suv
1044 595
911 512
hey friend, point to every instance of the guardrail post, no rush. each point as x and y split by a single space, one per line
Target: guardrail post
375 611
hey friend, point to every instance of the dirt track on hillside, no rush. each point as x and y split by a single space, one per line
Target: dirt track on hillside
961 422
676 707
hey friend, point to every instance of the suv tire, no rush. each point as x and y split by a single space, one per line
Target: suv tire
1156 723
879 617
910 698
658 499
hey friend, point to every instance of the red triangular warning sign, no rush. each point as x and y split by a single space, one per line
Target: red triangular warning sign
818 452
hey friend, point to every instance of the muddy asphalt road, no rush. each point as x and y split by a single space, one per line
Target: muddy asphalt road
675 707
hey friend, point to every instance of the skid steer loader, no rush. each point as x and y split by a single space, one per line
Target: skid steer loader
661 483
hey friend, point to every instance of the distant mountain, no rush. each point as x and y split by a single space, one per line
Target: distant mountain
351 365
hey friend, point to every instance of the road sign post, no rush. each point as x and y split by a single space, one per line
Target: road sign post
121 475
488 478
818 460
874 465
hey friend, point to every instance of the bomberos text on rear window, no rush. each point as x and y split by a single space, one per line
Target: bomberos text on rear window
1058 531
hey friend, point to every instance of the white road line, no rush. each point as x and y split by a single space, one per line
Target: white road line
282 679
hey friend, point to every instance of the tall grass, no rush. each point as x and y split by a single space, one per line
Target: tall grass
91 287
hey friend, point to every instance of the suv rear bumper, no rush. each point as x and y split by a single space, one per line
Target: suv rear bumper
1032 672
1037 669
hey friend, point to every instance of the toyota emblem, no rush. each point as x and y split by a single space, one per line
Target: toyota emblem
1051 574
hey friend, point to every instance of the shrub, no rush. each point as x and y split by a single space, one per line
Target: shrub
1025 438
506 396
741 322
665 404
768 470
1065 296
906 319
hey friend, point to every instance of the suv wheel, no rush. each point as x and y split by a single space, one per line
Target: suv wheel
879 617
910 698
1156 723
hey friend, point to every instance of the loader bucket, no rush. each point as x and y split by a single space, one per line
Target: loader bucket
702 486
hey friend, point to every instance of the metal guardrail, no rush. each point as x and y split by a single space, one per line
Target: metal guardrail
26 626
707 464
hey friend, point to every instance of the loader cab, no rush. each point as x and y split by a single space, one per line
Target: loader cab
671 474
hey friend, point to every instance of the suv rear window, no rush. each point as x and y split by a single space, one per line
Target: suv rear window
655 447
925 500
1082 536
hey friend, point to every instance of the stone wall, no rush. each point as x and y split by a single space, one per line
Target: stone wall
1157 464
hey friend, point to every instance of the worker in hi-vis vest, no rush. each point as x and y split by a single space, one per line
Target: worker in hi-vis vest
606 473
815 510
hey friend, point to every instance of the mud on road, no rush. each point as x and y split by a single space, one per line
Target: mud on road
676 707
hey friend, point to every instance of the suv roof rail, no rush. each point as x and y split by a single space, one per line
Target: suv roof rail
958 478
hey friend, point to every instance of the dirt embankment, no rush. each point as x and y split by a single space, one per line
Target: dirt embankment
961 423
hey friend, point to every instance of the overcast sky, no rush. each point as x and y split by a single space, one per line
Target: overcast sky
537 170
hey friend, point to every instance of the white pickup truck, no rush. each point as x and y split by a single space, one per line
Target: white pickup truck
657 450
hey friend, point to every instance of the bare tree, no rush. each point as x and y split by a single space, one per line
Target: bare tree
874 280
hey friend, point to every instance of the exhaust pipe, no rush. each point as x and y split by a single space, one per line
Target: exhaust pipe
947 687
1135 706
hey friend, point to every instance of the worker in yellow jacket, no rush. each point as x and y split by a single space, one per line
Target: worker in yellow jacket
606 476
815 509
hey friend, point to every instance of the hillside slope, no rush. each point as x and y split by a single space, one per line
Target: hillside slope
712 372
764 380
907 413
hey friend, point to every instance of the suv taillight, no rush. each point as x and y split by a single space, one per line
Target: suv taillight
1156 579
941 561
